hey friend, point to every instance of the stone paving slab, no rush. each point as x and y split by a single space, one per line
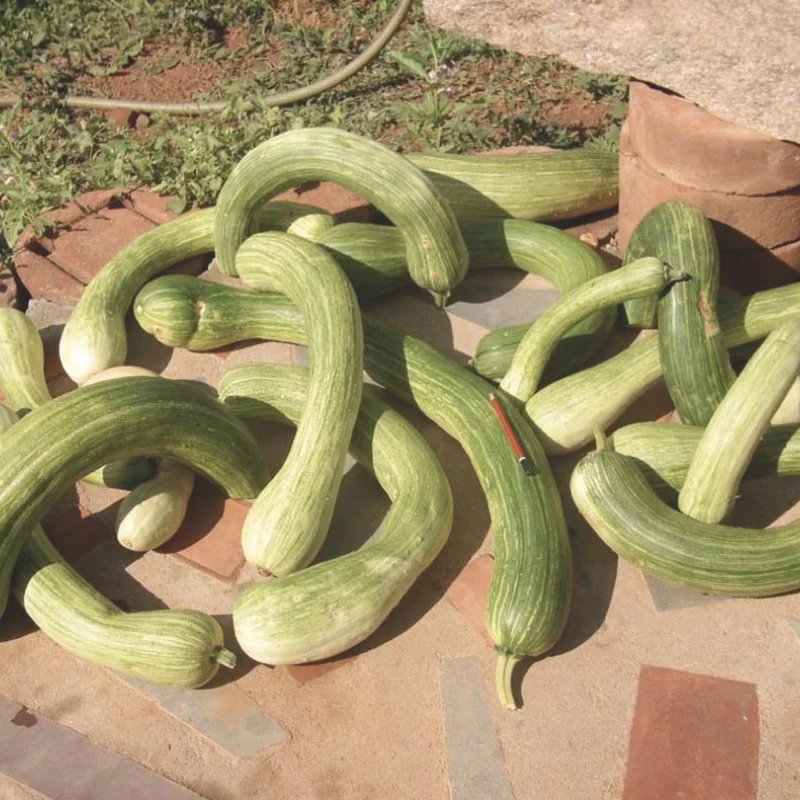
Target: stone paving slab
224 714
63 765
475 759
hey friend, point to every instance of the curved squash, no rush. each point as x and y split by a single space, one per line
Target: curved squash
664 453
328 608
173 648
614 498
437 257
691 346
738 424
55 444
637 278
23 382
289 520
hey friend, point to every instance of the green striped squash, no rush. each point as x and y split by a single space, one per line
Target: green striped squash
53 445
435 251
611 493
691 346
173 648
289 520
328 608
637 278
534 186
738 424
21 362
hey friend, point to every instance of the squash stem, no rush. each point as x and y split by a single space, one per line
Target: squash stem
224 657
440 299
674 274
601 440
505 668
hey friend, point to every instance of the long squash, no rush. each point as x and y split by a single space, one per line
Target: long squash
641 312
664 452
691 346
53 445
23 382
534 186
566 413
735 429
436 254
328 608
530 591
289 520
94 337
637 278
613 496
179 648
173 648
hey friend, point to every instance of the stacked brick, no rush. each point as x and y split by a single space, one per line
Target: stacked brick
748 184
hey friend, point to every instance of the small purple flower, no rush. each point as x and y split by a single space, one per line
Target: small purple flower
432 75
445 71
447 91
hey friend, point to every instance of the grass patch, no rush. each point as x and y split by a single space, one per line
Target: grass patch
428 89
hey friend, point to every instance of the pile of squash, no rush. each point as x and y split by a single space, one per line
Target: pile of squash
303 278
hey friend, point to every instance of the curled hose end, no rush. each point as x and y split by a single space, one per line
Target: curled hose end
505 669
224 657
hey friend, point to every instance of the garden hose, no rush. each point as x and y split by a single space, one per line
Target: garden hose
279 99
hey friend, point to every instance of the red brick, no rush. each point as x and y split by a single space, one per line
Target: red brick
692 147
67 214
740 223
346 205
693 736
211 535
72 529
150 205
94 241
44 280
469 592
305 673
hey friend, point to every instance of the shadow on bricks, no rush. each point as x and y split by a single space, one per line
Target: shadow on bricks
106 567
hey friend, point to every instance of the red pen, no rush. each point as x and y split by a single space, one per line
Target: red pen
523 459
